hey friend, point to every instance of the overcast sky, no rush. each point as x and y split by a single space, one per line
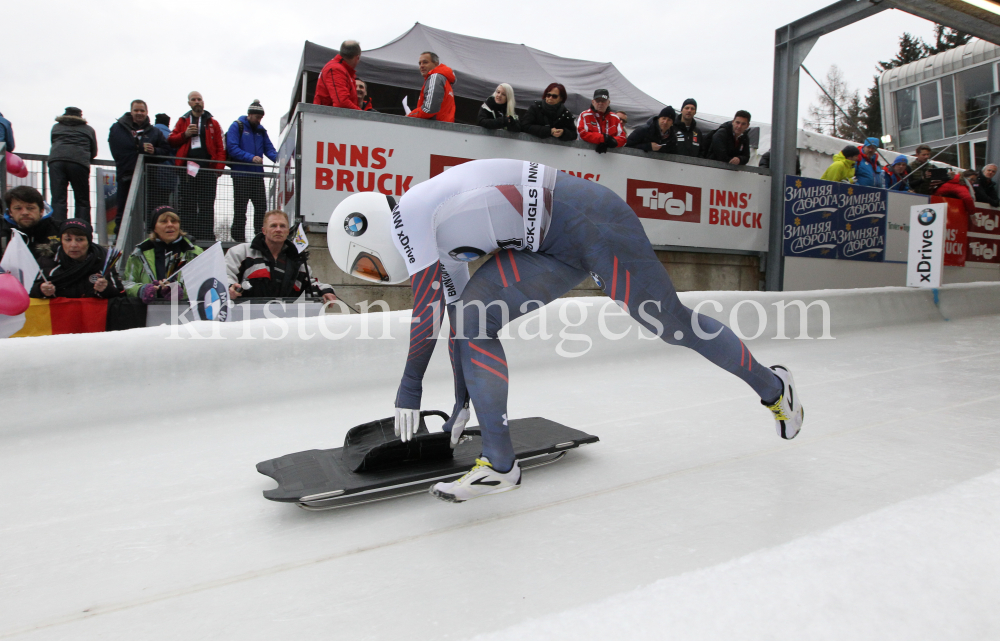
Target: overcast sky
100 55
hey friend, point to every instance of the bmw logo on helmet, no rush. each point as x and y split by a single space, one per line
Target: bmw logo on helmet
597 280
927 216
212 300
466 254
355 224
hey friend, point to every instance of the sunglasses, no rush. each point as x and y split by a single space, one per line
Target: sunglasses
553 95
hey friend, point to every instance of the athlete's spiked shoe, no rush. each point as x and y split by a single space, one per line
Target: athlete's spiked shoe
787 410
481 480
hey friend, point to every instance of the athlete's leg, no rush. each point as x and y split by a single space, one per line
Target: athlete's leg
594 230
506 287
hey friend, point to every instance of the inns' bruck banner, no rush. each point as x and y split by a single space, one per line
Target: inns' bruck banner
824 219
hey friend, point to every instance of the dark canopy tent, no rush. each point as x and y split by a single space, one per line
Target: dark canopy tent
480 65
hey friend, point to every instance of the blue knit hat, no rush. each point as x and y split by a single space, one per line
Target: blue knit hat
901 159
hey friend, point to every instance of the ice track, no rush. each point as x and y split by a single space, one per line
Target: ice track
131 508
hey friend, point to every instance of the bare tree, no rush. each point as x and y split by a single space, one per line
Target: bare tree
826 117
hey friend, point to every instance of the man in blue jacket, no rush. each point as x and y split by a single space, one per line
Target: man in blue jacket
867 172
247 142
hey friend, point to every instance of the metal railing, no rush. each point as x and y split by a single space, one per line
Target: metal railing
39 177
209 201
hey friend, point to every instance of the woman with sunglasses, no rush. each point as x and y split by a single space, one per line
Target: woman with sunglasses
498 110
549 117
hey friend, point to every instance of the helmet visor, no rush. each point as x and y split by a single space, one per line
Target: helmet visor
369 267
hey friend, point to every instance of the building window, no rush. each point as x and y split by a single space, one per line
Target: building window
931 127
972 93
948 106
908 117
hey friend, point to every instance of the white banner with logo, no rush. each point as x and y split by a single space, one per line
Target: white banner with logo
925 258
207 286
678 203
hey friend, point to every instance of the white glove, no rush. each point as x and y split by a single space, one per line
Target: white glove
459 426
407 423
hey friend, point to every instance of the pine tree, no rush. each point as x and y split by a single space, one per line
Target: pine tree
848 128
945 38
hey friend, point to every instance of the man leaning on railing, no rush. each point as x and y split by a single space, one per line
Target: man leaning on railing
131 135
247 142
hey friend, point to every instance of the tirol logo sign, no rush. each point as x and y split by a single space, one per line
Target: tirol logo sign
924 260
664 201
824 219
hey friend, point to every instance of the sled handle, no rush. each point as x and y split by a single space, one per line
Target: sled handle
425 413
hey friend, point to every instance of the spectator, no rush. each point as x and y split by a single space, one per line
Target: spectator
765 162
131 135
247 141
897 173
270 266
600 127
76 269
549 117
986 188
336 87
498 110
842 167
74 145
730 143
868 173
197 137
26 213
437 99
146 269
959 187
657 134
364 100
162 122
6 133
623 116
689 137
921 181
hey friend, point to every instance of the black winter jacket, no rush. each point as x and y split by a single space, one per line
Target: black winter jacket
75 278
126 142
541 119
643 136
42 239
689 139
986 191
73 140
494 116
251 266
725 146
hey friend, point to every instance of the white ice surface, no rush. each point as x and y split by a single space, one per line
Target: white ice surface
131 508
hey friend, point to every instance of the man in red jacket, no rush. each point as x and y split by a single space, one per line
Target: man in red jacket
197 137
437 99
335 87
600 127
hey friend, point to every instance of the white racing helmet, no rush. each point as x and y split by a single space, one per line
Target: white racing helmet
359 237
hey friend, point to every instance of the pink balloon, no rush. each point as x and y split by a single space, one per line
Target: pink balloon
13 299
16 167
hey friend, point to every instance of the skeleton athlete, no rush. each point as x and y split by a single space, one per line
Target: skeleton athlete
547 231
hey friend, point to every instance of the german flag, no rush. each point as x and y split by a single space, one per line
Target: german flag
46 317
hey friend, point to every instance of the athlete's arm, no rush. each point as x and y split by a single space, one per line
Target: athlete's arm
428 310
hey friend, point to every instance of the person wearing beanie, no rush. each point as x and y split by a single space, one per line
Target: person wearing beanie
74 145
868 173
247 144
657 134
162 122
842 167
896 175
600 126
689 138
154 259
77 270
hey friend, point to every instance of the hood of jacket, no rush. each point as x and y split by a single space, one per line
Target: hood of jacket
47 214
247 125
74 121
183 244
204 114
289 248
837 157
127 122
445 71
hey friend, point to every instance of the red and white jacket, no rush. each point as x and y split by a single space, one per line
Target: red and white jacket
592 127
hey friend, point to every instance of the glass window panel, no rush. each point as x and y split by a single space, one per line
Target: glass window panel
949 156
972 96
907 117
929 101
931 131
948 106
980 153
